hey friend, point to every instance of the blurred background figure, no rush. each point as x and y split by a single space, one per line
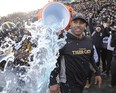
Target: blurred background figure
8 34
113 64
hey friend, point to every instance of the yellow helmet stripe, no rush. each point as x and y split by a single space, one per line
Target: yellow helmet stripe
7 24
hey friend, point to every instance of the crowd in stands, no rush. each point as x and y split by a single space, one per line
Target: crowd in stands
102 10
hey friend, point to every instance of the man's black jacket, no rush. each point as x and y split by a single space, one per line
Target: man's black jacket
73 63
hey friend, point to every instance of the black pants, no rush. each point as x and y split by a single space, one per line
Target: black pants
113 71
104 59
66 88
109 59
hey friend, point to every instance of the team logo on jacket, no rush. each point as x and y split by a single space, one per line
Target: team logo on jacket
81 51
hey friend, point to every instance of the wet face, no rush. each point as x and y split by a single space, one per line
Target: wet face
78 26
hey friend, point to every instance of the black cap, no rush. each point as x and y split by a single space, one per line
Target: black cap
79 16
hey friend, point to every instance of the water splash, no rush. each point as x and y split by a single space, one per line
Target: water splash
35 78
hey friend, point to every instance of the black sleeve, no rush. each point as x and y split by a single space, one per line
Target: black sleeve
55 73
56 70
92 61
113 39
